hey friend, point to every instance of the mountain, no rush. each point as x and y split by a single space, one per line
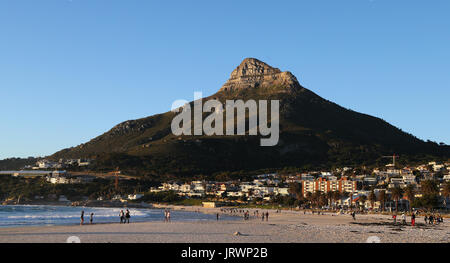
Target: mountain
314 132
16 163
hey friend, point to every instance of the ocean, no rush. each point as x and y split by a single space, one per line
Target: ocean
47 215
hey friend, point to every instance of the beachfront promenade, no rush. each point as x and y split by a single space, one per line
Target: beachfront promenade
287 226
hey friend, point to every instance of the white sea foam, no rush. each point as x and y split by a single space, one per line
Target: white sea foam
23 215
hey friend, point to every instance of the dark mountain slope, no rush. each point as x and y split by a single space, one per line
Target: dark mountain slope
313 131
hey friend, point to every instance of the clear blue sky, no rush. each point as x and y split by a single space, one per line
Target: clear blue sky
72 69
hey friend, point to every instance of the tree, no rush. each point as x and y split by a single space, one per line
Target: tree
382 199
323 199
296 189
329 198
309 197
350 194
316 197
224 194
337 195
362 200
429 187
446 191
410 194
372 198
430 194
427 201
397 193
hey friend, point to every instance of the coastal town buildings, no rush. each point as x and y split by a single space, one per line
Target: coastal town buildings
61 164
354 185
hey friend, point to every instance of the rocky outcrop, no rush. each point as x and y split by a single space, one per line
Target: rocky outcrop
253 73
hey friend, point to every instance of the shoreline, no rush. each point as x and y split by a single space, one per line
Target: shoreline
287 226
201 209
49 224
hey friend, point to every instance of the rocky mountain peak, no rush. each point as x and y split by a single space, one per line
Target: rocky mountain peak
253 67
253 73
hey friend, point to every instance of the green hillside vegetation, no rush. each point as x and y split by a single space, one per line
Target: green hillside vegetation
16 163
28 188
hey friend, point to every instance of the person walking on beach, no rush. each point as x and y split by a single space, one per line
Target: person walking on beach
262 216
168 215
426 219
430 220
122 218
217 216
91 219
395 218
404 218
413 219
127 216
354 215
438 219
82 218
267 216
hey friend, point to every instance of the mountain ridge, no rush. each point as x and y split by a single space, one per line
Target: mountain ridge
313 130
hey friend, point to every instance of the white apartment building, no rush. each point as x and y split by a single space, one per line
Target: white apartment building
135 196
281 191
185 188
409 179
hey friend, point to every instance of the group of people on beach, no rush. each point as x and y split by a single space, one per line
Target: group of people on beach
433 219
413 218
166 215
266 215
430 219
246 213
91 218
124 217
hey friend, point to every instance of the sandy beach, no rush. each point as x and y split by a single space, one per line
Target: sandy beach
287 226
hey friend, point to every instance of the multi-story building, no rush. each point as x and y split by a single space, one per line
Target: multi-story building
370 180
396 182
346 185
308 187
447 177
281 191
185 188
325 186
409 179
